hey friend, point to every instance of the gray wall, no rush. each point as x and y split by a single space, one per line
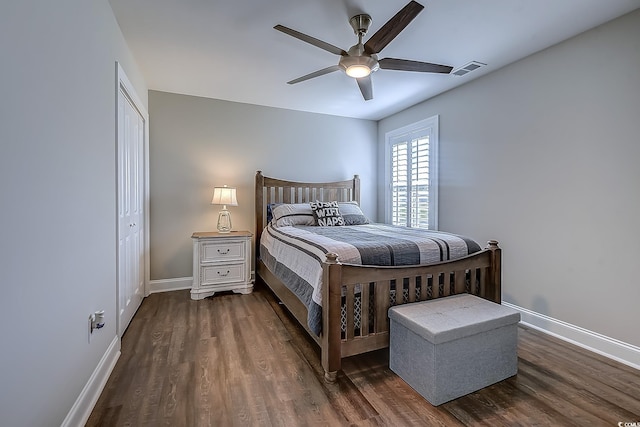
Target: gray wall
542 155
57 186
198 143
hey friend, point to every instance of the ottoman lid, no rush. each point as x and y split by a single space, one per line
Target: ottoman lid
450 318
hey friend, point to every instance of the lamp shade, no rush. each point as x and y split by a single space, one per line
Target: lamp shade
224 196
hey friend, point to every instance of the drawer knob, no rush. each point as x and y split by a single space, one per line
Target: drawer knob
223 274
226 251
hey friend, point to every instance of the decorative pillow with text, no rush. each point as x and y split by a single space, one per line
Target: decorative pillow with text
327 214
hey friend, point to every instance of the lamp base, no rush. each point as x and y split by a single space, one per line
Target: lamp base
224 221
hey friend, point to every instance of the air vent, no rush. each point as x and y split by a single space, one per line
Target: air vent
467 68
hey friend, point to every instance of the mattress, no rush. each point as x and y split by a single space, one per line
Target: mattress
295 254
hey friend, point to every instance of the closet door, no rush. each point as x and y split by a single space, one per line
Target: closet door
131 259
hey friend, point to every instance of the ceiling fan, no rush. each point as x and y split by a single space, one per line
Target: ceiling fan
362 59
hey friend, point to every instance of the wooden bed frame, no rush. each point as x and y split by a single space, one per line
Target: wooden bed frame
343 283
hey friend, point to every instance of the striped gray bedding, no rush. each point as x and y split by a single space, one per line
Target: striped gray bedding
295 254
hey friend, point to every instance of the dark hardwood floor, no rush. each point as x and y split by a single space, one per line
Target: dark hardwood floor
235 360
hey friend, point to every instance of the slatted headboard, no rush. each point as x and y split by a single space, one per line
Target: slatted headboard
273 190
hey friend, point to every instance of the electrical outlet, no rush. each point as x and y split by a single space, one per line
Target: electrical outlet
96 321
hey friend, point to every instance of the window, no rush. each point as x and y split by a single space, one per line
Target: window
412 175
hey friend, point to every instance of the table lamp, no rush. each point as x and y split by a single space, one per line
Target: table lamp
224 196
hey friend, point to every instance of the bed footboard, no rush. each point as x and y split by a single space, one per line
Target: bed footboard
356 298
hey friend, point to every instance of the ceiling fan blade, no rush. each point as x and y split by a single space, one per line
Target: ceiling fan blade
311 40
408 65
366 87
318 73
393 27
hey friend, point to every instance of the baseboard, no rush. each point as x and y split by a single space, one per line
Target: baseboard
609 347
168 285
84 404
177 284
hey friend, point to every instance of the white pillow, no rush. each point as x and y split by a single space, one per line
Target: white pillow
292 214
352 213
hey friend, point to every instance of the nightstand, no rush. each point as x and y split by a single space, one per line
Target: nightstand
221 262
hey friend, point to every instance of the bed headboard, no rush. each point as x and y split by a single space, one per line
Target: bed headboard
273 190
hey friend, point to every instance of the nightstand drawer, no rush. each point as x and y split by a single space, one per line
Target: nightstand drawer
221 262
222 251
216 274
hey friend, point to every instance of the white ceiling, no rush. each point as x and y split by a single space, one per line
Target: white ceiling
228 49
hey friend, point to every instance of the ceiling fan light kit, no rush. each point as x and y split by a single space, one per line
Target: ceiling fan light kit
358 71
358 66
361 59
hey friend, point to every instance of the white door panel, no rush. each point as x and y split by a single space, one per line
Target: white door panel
131 246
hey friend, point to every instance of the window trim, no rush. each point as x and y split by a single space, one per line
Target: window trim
431 126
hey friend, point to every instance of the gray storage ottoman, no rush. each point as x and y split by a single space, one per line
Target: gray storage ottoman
448 347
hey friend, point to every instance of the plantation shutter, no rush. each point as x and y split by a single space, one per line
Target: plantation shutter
410 179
